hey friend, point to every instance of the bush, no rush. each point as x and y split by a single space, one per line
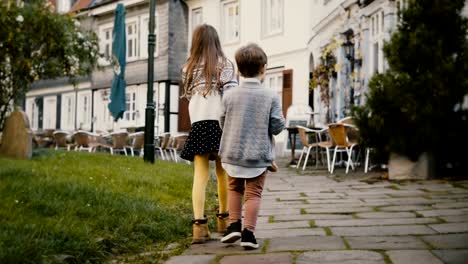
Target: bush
416 105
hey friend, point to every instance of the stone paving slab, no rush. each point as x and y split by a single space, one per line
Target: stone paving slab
376 222
402 201
450 228
276 206
341 210
455 218
340 206
385 215
194 259
401 230
405 208
263 220
441 212
276 258
287 211
281 225
451 241
367 223
341 257
413 257
360 195
311 217
297 232
452 256
451 205
335 201
448 196
216 247
385 242
407 193
306 243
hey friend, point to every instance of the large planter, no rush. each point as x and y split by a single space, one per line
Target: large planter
402 168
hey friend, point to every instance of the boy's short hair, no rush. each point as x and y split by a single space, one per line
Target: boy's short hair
250 60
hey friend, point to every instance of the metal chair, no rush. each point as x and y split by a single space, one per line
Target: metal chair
341 144
138 142
119 142
84 141
61 142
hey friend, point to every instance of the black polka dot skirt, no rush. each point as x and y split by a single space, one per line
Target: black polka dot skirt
204 137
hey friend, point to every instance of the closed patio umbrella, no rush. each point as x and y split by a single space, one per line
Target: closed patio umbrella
119 49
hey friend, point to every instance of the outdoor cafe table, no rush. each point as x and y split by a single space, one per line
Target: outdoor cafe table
292 133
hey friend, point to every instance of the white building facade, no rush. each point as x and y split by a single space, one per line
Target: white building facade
56 104
279 27
364 25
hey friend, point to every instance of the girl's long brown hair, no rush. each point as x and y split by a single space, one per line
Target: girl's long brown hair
205 49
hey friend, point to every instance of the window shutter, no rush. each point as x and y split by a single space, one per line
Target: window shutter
184 118
287 89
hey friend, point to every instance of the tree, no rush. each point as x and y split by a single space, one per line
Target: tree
37 43
416 106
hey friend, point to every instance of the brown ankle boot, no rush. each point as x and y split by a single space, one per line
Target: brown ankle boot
200 231
223 222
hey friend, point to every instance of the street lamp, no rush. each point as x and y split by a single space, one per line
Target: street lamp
348 48
150 105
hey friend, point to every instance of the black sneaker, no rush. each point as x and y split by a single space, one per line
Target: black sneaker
248 240
233 232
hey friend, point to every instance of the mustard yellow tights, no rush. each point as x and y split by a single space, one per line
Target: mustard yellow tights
200 180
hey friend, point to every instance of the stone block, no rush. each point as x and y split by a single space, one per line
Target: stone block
17 136
413 257
343 257
280 258
451 227
306 243
451 241
193 259
452 256
385 242
401 168
400 230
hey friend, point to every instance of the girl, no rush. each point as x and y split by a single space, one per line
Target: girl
205 75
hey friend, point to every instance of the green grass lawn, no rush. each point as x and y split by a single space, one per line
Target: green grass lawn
75 207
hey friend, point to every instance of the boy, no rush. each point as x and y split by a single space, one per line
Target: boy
250 116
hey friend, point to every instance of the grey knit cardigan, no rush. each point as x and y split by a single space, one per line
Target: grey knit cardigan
250 116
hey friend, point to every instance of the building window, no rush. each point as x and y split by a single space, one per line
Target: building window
272 17
377 38
130 106
274 81
50 109
197 17
33 113
84 115
401 5
106 42
68 111
132 41
230 17
144 36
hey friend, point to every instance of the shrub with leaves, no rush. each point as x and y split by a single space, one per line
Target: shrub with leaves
37 43
416 106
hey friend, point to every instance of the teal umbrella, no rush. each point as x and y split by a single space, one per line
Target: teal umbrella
119 49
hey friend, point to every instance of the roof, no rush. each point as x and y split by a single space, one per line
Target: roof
79 5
